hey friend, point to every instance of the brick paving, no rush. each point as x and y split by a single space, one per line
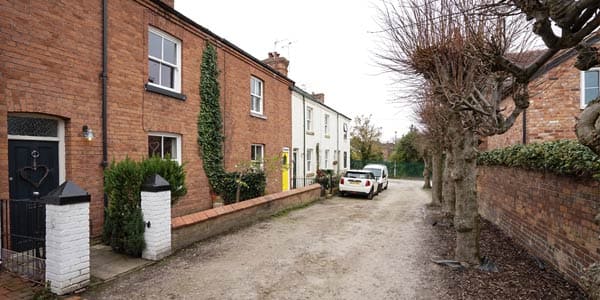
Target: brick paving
14 287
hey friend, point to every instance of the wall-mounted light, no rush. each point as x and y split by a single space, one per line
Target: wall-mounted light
88 134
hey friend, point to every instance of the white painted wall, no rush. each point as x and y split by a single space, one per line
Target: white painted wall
156 208
67 247
333 140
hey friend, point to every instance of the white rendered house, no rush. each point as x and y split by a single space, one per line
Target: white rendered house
320 138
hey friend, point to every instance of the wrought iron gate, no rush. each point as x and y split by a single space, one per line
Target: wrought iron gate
24 238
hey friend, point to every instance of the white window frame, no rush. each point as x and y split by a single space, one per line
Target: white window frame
177 67
253 148
308 160
169 135
260 97
326 124
583 88
326 158
310 113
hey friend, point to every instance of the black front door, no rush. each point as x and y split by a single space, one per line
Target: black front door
33 172
294 154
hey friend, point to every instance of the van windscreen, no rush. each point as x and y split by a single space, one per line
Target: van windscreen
376 172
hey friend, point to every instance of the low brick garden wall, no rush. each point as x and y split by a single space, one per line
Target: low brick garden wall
551 216
189 229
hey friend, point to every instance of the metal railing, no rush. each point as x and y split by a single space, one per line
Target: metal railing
23 225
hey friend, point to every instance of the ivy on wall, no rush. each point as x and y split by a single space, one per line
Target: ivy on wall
210 136
564 157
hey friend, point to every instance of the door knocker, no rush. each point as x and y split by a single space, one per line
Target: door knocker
28 173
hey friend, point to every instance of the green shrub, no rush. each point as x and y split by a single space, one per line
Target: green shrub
254 186
123 181
170 170
124 224
563 157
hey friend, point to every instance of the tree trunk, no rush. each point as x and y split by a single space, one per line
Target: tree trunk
588 127
427 170
437 162
448 194
466 217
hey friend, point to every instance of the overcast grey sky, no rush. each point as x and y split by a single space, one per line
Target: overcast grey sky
331 49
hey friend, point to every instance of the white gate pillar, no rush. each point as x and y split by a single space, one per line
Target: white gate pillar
156 209
67 238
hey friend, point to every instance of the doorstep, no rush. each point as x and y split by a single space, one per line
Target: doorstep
107 264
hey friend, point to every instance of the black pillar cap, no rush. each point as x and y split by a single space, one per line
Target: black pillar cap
67 193
155 183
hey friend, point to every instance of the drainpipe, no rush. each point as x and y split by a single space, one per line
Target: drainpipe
525 127
337 142
304 139
104 77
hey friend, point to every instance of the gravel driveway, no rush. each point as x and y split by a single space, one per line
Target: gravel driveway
341 248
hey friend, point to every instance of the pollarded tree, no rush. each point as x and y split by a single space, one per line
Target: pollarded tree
577 20
433 117
453 51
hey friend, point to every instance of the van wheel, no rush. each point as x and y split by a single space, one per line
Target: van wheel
386 185
370 195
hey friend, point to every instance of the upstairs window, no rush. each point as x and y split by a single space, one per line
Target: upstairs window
326 124
165 146
590 86
256 95
309 119
257 154
164 60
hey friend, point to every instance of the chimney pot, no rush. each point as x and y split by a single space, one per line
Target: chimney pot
279 63
319 97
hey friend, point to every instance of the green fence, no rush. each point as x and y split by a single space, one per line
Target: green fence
397 170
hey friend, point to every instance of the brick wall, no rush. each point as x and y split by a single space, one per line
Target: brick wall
50 64
551 216
554 104
202 225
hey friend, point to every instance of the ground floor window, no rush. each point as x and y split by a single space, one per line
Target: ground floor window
308 160
257 155
345 159
165 145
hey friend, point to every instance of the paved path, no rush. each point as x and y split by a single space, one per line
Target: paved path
342 248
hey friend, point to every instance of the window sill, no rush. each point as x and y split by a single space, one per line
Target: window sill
327 136
310 133
257 115
164 92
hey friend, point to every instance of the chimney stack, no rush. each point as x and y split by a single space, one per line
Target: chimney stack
170 3
279 63
319 97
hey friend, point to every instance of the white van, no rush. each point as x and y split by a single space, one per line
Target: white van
381 174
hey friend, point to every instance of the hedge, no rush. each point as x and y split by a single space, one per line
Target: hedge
563 157
124 225
253 187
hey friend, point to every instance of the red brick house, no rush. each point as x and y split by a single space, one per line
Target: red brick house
559 92
52 95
